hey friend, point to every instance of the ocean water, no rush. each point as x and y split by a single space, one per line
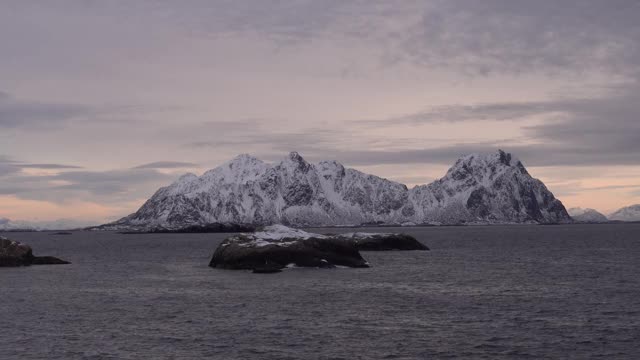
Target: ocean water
497 292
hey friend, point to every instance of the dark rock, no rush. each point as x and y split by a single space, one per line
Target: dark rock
48 260
280 246
13 253
384 242
268 268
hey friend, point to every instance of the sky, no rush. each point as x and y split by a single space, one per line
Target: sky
103 102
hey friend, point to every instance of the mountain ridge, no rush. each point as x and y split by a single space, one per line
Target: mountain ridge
587 215
59 224
627 213
490 188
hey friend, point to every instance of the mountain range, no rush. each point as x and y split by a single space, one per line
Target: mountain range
490 188
60 224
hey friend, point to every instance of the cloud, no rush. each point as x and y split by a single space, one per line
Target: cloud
7 169
240 51
512 111
48 166
478 36
166 165
112 187
531 155
524 36
611 187
481 37
601 130
15 113
108 182
8 166
268 138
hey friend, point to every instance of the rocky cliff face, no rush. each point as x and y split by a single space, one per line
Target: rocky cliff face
493 188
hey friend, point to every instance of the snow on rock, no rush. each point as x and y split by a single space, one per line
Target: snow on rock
363 235
277 247
629 213
275 235
279 232
280 235
587 215
491 188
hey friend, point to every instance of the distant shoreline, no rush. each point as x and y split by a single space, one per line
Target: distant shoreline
244 228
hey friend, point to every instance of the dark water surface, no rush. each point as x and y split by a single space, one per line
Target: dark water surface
482 292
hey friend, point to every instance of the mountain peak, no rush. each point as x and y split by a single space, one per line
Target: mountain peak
488 165
240 163
297 161
294 156
586 215
244 159
500 157
187 177
504 157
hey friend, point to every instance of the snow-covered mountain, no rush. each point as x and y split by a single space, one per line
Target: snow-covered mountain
492 188
61 224
587 215
629 213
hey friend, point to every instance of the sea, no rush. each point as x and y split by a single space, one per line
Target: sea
481 292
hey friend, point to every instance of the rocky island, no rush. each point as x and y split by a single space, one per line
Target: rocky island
384 242
13 253
278 246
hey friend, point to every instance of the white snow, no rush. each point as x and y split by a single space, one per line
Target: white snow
293 191
363 235
279 232
275 235
586 215
629 213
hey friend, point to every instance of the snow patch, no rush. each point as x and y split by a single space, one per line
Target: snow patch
275 235
279 232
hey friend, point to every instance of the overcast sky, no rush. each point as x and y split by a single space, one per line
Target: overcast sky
102 102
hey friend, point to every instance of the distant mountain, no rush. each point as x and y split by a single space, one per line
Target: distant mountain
492 188
587 215
629 213
61 224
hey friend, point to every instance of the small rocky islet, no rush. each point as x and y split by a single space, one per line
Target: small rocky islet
14 253
277 247
383 241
